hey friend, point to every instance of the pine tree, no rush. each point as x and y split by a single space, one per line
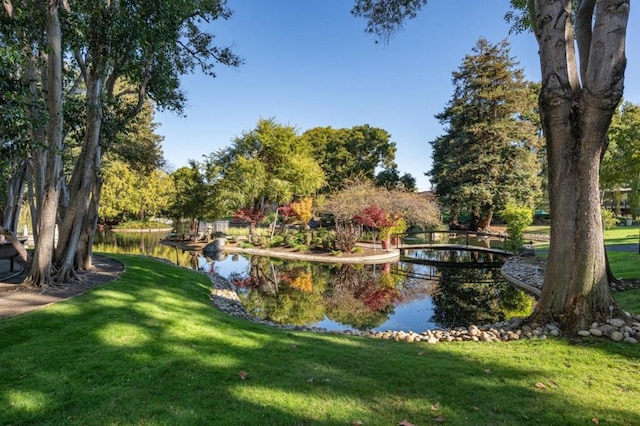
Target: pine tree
487 158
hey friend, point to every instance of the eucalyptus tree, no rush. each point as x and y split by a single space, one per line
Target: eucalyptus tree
148 45
34 29
487 158
582 58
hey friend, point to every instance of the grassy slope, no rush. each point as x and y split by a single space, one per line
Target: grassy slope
150 349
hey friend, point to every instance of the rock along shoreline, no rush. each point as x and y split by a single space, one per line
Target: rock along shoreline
526 274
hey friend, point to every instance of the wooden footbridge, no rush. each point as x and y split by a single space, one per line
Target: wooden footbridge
454 240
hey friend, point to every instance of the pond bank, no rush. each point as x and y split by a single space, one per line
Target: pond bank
370 255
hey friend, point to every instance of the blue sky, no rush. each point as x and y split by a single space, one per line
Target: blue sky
309 63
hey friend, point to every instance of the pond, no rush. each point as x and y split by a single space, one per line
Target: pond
426 289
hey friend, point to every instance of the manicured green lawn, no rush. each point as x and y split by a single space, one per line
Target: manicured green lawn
149 349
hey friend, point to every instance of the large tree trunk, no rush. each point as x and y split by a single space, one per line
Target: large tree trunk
41 269
485 221
81 183
85 246
575 119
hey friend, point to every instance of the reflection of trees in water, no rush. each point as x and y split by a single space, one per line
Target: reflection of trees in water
362 296
453 256
414 281
476 296
287 293
140 243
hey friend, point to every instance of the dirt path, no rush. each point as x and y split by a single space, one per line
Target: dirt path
16 299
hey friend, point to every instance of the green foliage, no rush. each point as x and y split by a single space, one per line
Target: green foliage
390 178
488 156
609 219
142 224
518 218
347 154
129 193
269 165
620 166
384 18
192 199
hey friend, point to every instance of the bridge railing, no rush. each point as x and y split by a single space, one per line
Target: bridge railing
463 238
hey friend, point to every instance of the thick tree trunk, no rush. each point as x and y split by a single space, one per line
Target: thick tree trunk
453 218
85 247
81 183
485 221
42 269
575 119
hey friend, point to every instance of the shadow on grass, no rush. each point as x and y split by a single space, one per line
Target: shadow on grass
149 348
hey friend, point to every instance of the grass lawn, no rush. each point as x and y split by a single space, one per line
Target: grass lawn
149 349
625 265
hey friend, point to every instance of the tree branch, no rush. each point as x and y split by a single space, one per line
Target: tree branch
607 61
557 54
584 18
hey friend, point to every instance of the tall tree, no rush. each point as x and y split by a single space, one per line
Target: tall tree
580 91
265 167
345 154
390 178
487 159
192 198
149 45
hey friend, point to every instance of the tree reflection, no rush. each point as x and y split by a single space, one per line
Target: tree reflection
287 293
466 296
362 296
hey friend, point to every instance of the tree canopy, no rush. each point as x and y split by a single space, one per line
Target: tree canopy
487 158
86 60
267 166
582 58
345 154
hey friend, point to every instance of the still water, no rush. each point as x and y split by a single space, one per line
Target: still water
426 289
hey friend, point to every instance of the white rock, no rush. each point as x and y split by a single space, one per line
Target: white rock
616 322
630 340
584 333
616 336
595 332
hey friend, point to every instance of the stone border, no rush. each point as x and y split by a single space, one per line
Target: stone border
225 297
386 255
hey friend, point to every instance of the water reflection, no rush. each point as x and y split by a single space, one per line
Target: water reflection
400 296
140 243
427 289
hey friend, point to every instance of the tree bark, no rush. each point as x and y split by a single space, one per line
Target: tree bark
81 182
15 194
575 119
48 175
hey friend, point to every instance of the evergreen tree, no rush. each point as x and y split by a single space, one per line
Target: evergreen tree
487 158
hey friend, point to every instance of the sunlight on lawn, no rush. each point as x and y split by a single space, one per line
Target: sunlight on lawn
28 401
